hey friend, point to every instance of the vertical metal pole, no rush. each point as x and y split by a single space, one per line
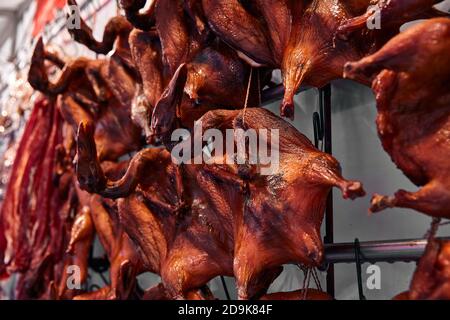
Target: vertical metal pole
225 288
329 237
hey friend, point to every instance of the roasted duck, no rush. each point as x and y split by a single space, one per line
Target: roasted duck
85 95
410 80
228 213
391 13
431 280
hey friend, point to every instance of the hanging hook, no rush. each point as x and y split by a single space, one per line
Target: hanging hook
319 121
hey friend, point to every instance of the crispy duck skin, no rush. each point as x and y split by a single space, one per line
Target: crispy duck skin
120 64
152 215
431 280
215 72
179 39
101 215
147 56
217 223
411 75
314 56
240 29
273 226
85 95
392 13
141 20
299 38
115 40
166 221
206 82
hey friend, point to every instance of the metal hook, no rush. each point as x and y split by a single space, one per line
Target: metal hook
318 129
319 121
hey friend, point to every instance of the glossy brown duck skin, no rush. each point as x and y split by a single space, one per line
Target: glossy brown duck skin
85 96
213 69
392 13
180 40
146 53
274 227
203 85
314 56
412 72
228 218
101 215
120 64
141 20
215 72
206 81
299 38
241 30
152 213
150 216
431 280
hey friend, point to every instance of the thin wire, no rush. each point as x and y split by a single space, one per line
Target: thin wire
306 283
259 87
316 279
433 228
247 95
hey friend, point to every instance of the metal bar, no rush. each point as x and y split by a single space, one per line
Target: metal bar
329 223
358 269
377 251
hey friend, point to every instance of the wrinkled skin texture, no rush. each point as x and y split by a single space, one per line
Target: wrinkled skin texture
392 13
141 20
179 39
411 75
296 36
261 230
206 75
152 215
299 37
202 85
228 213
431 280
85 95
240 29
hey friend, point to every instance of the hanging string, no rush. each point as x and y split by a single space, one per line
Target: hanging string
306 282
259 87
316 279
433 228
247 95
